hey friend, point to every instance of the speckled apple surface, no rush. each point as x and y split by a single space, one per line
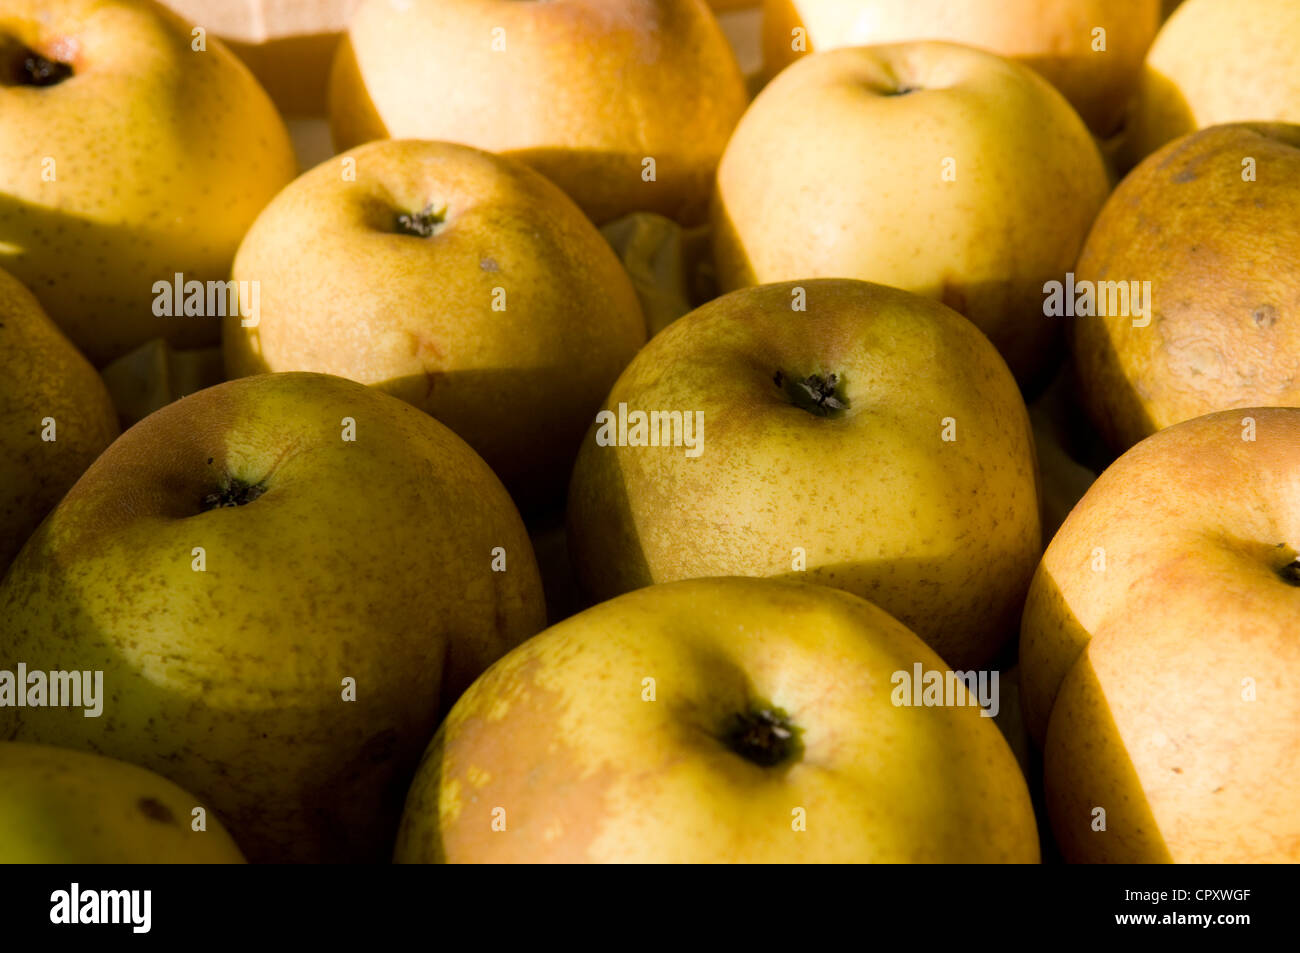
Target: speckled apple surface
942 534
324 559
42 378
150 158
708 721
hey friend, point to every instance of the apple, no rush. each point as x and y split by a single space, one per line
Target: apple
1158 650
717 721
1200 229
55 416
462 282
874 442
127 156
1215 62
67 807
286 580
1097 72
625 104
936 168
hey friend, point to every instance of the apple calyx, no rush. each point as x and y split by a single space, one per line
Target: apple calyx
764 735
423 224
818 395
32 69
235 493
1290 573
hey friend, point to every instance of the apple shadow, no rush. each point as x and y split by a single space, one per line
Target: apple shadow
1034 358
86 313
1070 792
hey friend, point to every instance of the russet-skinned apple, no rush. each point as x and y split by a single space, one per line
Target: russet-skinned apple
1209 222
460 281
874 442
717 721
55 416
1158 650
939 169
286 581
625 104
126 155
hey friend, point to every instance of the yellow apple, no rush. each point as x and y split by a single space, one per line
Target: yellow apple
66 807
874 442
1097 72
462 282
127 156
625 104
55 416
935 168
286 579
1213 62
1208 222
1159 652
717 720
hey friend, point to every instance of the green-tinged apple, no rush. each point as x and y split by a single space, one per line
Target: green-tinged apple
55 416
719 721
1091 50
1205 234
936 168
1214 62
874 442
68 807
625 104
286 580
1159 653
460 281
131 151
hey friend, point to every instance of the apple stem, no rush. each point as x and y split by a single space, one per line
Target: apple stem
764 735
816 394
423 224
236 493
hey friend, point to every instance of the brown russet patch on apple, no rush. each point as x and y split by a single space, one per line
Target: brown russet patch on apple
161 470
544 784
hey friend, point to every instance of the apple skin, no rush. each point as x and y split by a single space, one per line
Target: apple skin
1052 36
344 292
560 735
851 178
1223 331
942 535
42 375
368 560
1215 62
67 807
163 156
548 98
1133 675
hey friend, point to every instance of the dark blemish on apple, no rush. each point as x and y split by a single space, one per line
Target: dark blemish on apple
1265 316
235 493
764 735
423 224
1290 573
1184 175
155 810
902 90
